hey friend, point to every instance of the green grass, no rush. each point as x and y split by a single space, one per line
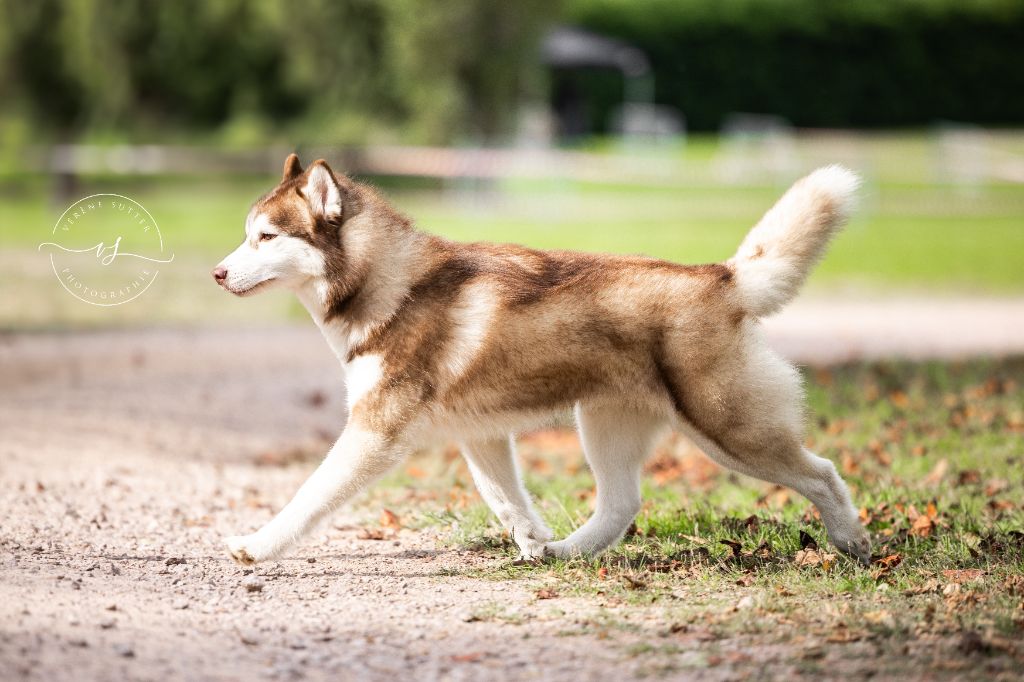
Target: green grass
913 234
720 554
914 237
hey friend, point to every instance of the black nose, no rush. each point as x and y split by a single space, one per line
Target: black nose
220 273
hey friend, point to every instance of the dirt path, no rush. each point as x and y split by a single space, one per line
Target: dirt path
126 456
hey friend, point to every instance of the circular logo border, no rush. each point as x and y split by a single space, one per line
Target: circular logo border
159 235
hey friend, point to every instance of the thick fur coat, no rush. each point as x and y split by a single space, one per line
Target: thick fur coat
476 342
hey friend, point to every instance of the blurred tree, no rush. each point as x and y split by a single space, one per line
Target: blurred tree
330 71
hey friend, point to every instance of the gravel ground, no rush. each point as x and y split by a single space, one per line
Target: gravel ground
126 456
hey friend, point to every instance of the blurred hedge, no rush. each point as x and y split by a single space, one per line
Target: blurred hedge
252 71
858 63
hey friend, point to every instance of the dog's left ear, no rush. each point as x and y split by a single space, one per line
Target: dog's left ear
322 191
292 168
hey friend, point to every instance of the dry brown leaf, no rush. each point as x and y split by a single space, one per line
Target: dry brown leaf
963 575
389 519
968 477
922 526
807 557
546 593
371 534
734 546
849 465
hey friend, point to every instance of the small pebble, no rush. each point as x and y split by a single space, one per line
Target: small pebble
253 583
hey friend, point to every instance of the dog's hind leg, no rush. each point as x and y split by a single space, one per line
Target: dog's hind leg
812 476
616 442
494 470
756 428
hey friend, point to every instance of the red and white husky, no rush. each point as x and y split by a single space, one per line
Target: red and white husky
476 342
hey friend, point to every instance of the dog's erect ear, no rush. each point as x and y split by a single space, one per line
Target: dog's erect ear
292 168
322 191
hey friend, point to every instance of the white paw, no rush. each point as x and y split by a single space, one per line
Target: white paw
531 550
531 542
244 549
858 546
562 550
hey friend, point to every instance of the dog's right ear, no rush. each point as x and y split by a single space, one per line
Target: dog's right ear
292 168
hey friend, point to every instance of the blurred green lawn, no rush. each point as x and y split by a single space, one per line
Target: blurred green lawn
933 237
906 238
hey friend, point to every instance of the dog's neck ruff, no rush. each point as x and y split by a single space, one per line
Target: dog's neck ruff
378 296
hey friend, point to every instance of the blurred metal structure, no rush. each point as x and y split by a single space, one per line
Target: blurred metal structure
567 47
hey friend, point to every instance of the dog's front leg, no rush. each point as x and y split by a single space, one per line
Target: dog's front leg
358 458
494 470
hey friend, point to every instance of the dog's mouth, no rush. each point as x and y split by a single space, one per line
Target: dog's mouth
251 290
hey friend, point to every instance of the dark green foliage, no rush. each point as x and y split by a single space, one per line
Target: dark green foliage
824 62
325 71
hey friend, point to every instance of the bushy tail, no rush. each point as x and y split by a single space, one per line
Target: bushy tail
776 256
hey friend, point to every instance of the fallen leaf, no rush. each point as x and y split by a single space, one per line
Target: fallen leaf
968 477
371 534
886 564
546 593
922 526
389 519
472 657
964 575
807 557
734 546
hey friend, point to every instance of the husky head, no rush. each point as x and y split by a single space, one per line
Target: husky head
293 233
